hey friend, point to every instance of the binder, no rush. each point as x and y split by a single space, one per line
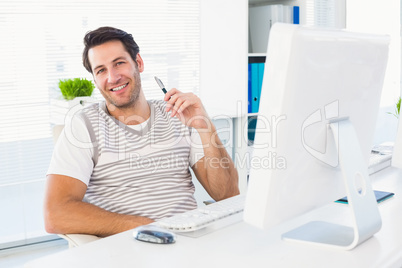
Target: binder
296 15
255 77
255 96
249 98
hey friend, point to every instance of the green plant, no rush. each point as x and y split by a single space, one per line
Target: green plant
397 108
77 87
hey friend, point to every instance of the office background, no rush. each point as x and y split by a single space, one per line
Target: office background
42 43
194 45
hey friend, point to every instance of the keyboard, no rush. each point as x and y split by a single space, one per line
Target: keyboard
378 162
229 209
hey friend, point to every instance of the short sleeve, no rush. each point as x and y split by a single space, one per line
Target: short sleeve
73 152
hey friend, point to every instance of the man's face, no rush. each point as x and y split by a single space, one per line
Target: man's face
116 74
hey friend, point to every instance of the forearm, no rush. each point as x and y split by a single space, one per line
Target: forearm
221 174
215 171
79 217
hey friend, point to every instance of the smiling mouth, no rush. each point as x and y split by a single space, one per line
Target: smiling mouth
118 88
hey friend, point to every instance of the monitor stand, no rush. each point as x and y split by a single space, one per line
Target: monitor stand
362 202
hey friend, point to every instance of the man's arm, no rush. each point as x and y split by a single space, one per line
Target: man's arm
215 171
66 213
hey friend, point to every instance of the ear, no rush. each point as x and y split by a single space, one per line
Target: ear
140 63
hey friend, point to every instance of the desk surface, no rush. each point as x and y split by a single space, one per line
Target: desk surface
241 245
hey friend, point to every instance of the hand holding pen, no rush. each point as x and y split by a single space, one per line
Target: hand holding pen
185 106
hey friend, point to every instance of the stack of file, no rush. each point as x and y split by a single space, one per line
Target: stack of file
261 19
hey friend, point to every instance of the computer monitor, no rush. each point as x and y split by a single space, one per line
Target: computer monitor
318 108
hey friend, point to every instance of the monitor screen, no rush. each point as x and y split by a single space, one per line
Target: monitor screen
318 109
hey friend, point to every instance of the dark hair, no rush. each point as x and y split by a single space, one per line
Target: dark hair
103 35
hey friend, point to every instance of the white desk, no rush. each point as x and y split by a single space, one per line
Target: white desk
240 245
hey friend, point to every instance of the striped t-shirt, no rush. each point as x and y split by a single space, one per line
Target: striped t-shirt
136 170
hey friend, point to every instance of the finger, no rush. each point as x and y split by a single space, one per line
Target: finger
178 106
169 94
184 105
168 107
171 102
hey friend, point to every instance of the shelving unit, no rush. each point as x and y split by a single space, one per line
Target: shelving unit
262 15
224 67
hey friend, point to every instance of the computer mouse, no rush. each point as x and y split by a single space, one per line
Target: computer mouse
154 234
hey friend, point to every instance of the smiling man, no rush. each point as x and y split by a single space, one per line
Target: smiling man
117 76
126 161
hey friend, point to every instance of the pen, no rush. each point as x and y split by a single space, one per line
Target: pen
160 84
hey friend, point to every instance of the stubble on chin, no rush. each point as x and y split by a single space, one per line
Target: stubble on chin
131 102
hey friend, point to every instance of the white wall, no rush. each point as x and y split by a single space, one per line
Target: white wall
381 17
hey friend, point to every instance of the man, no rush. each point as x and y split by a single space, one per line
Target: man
125 162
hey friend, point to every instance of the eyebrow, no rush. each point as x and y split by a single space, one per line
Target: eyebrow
116 59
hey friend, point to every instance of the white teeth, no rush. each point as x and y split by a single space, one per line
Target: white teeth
118 88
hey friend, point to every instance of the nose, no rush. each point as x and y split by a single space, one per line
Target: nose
113 77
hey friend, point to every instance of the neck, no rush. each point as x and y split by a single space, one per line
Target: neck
135 114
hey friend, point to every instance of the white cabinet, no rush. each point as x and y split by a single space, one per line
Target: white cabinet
224 35
223 62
